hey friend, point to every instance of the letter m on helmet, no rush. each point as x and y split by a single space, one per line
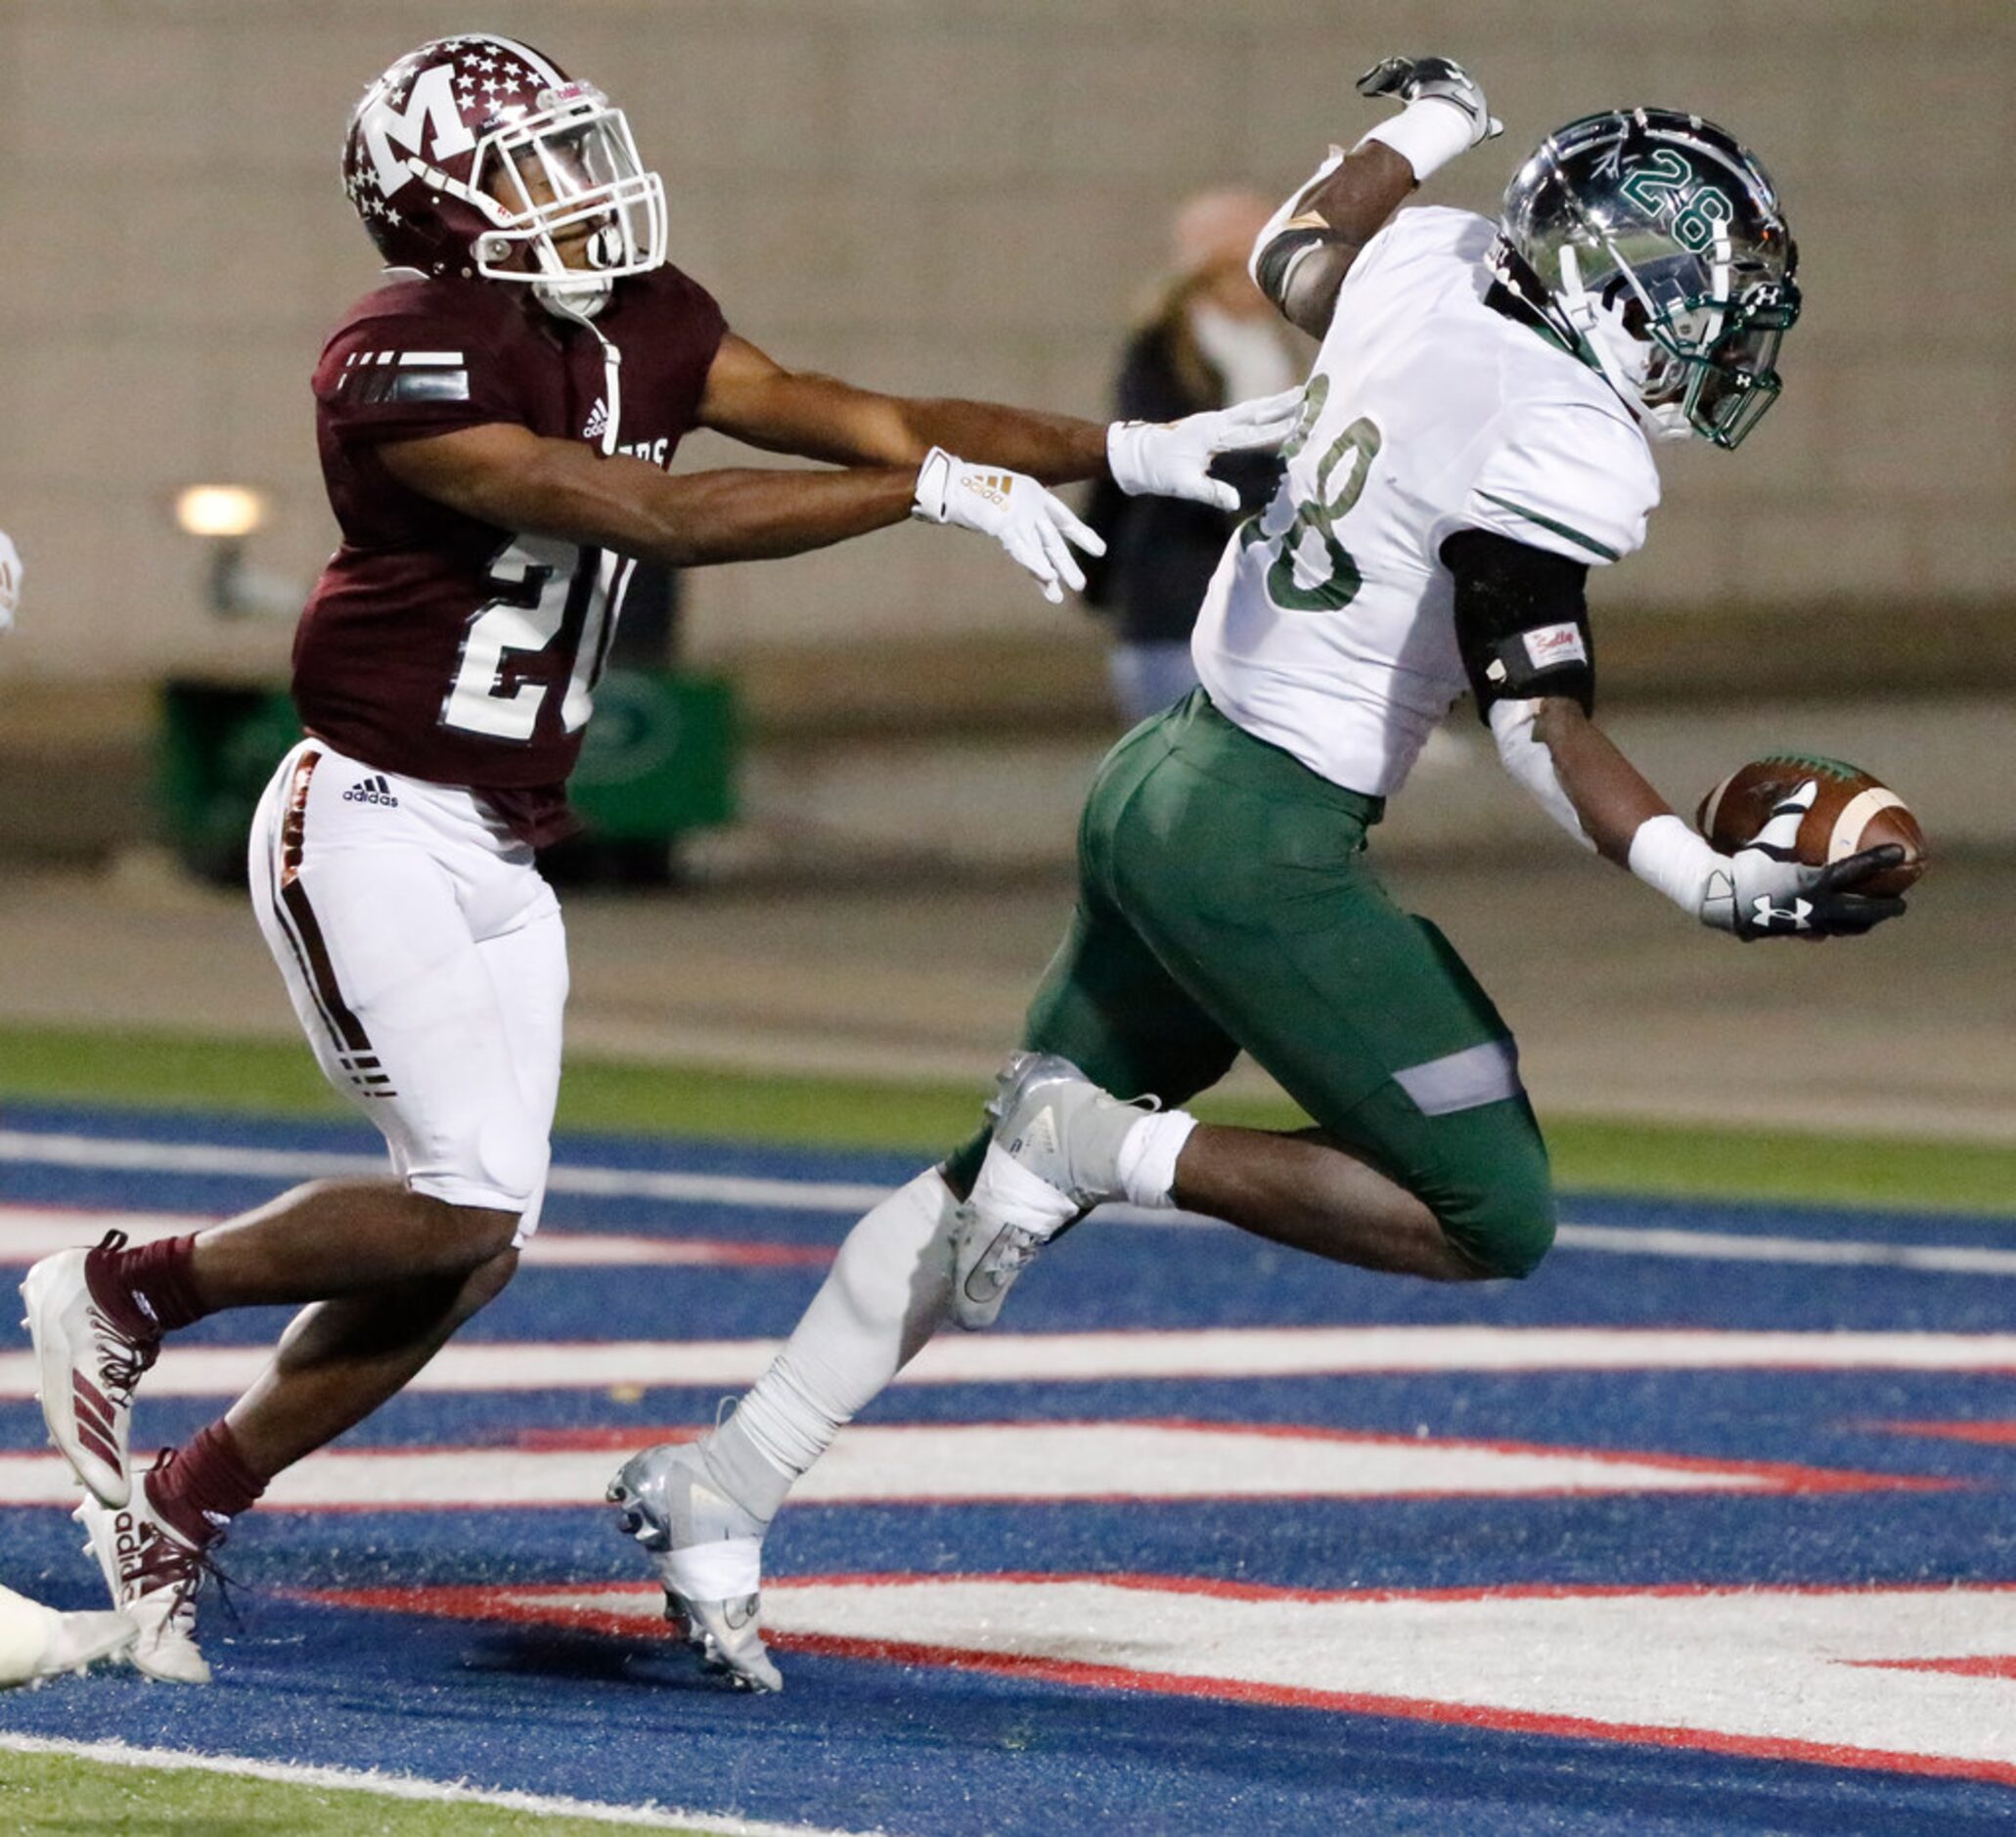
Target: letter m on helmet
430 110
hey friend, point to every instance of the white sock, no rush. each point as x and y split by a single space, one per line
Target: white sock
889 1291
1147 1164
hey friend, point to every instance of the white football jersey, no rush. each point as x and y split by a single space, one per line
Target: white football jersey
1327 629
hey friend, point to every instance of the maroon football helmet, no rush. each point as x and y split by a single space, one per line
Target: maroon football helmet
478 157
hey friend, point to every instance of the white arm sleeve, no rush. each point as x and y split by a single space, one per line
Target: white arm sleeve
1529 761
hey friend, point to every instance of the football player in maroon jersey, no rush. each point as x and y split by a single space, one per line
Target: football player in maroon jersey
495 422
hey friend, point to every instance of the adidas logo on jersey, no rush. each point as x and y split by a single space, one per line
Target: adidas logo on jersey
373 790
598 421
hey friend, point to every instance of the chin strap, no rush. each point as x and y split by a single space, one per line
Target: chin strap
566 306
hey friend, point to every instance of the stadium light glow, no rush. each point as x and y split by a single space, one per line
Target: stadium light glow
221 511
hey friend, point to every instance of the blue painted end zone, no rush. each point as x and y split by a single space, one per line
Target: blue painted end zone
922 1749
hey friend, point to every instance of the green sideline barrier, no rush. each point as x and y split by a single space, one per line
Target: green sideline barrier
660 760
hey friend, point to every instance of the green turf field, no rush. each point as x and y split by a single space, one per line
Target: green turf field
55 1792
277 1077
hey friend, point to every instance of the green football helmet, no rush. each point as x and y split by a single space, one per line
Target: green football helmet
1653 245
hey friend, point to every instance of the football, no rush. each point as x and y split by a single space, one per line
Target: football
1851 812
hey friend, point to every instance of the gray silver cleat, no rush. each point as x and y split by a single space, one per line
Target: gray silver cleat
1054 1156
707 1551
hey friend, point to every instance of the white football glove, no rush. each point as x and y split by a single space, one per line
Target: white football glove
1036 529
10 581
1172 459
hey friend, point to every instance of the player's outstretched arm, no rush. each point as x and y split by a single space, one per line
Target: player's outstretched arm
756 399
1760 891
1301 257
1522 626
510 477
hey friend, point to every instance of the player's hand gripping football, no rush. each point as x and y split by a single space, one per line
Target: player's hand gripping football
1765 891
10 581
1172 459
1438 79
1036 529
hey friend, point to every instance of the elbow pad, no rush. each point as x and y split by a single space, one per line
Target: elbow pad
1274 262
1285 239
1521 621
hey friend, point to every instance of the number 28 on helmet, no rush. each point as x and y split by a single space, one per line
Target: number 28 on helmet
1653 245
478 156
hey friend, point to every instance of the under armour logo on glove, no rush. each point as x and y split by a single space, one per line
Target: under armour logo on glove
1766 916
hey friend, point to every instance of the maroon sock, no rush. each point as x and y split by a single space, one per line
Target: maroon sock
149 1291
203 1485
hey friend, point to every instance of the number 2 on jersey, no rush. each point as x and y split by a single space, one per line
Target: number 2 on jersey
544 588
1341 479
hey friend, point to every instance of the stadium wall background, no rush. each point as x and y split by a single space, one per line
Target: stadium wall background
967 195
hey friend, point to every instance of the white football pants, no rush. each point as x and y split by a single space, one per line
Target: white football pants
426 960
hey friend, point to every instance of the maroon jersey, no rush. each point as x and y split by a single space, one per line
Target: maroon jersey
441 646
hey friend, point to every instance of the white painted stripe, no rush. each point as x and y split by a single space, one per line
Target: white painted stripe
851 1198
402 1786
179 1158
29 1234
510 1365
1844 1669
1734 1248
1005 1462
443 360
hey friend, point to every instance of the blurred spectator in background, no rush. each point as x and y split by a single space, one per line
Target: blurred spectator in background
1208 338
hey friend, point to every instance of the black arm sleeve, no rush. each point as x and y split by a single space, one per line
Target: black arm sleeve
1521 620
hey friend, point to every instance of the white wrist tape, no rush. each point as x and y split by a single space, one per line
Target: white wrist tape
1427 134
1668 855
1529 761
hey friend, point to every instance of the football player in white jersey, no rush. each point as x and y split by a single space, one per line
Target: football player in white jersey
1477 434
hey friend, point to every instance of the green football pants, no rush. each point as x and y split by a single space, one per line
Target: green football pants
1225 903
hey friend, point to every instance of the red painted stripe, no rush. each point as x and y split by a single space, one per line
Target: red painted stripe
466 1603
2000 1664
1988 1434
615 1440
1778 1476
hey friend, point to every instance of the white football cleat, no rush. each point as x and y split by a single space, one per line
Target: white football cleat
1054 1156
38 1642
154 1577
708 1552
86 1372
